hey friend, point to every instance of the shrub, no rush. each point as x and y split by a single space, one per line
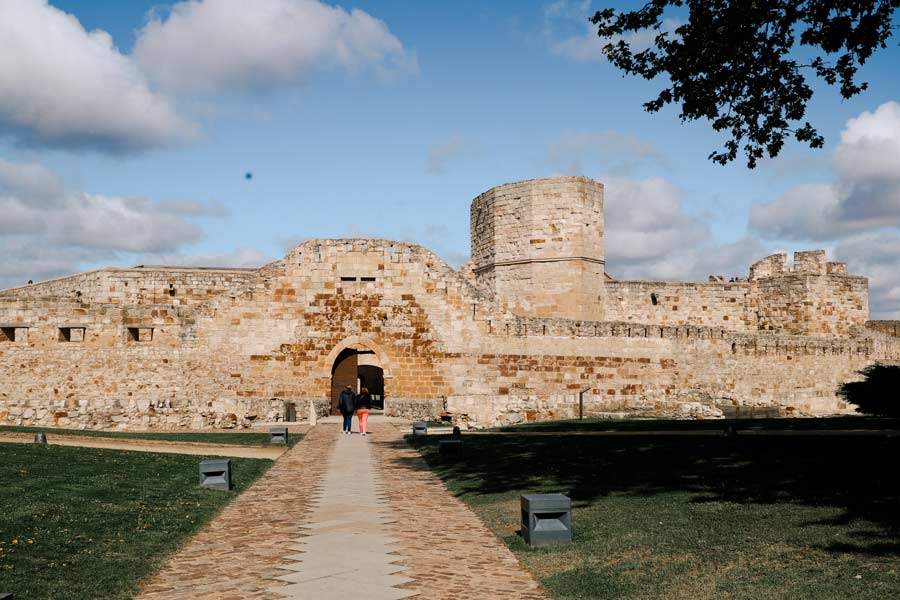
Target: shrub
877 393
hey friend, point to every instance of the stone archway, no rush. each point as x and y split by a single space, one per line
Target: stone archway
358 366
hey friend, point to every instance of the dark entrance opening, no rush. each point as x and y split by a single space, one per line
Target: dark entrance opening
343 373
355 368
372 378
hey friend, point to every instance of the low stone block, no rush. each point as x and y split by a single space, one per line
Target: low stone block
420 428
278 435
216 474
546 519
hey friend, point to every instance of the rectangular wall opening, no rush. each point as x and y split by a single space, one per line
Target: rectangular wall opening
140 334
71 334
7 334
348 278
367 279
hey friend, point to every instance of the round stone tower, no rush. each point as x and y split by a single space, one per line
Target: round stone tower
538 246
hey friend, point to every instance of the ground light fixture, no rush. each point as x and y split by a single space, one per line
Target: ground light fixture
278 435
215 474
546 519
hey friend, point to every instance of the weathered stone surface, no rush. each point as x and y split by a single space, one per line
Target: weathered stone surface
514 336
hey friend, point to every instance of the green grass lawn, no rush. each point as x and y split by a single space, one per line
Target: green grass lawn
206 437
696 516
805 424
79 523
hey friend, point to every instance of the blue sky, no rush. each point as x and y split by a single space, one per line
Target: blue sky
390 130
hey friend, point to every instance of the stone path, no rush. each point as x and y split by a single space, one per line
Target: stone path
450 553
347 553
345 517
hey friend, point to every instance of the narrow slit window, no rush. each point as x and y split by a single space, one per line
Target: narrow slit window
71 334
367 279
348 278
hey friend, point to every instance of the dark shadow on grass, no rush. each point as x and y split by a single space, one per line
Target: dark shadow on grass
853 473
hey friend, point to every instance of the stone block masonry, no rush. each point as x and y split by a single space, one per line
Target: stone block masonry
532 322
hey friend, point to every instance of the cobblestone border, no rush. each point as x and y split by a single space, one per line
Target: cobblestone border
450 553
238 554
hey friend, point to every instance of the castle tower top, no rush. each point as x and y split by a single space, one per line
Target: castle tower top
538 245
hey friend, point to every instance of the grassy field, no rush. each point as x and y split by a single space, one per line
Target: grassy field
798 424
78 523
205 437
696 516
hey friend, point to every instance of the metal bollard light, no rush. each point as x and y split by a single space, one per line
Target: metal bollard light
450 448
546 519
420 428
279 435
216 474
40 437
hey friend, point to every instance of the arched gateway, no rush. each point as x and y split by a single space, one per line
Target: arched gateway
358 368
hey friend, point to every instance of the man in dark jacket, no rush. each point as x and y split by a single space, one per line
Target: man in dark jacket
347 405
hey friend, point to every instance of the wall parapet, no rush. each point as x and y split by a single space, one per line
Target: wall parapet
756 343
891 328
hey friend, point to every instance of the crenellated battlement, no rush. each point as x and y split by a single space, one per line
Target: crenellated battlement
814 297
807 262
538 251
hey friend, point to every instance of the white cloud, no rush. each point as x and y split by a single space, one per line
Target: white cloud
583 44
870 145
441 154
650 236
24 260
858 213
210 45
875 256
62 86
864 197
614 152
242 257
48 230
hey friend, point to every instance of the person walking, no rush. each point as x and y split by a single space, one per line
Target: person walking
347 404
363 406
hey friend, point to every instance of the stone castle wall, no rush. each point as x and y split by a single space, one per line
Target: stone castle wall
231 346
140 285
707 304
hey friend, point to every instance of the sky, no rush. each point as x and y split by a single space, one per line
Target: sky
223 132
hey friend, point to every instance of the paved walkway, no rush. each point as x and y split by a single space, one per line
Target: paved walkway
347 553
345 517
